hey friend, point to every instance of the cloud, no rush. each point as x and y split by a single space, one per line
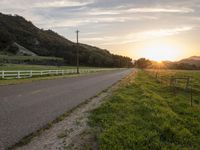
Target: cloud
96 12
160 10
165 32
62 3
148 35
82 22
145 35
126 10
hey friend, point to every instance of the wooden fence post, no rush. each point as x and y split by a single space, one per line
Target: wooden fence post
156 75
3 75
187 84
31 73
191 97
18 74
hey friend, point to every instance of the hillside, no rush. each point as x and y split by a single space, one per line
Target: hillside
18 31
194 60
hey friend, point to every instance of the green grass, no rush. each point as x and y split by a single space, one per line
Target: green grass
14 57
35 67
144 114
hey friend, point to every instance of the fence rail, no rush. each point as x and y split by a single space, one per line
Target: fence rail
18 74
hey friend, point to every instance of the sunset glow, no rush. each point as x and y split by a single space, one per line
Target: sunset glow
161 52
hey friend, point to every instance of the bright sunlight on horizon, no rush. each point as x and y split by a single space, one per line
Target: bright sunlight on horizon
161 52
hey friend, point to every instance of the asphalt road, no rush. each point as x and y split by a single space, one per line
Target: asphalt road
24 108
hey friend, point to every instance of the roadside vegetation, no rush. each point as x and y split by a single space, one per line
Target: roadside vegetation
145 114
37 60
37 67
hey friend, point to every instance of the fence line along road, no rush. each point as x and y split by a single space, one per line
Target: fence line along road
18 74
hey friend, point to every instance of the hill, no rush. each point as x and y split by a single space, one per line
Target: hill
15 30
194 60
191 63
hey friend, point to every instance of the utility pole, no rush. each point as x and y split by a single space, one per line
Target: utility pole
77 53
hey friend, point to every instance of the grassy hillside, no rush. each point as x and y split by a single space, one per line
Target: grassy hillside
144 114
15 29
194 60
5 59
37 67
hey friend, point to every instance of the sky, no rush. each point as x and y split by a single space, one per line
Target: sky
155 29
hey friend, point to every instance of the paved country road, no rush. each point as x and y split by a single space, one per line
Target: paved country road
24 108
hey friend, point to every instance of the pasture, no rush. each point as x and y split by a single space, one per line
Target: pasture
144 113
37 67
38 60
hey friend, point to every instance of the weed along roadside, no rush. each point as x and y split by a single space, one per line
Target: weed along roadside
144 114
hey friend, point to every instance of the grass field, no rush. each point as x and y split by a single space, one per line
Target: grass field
35 67
144 114
14 57
30 60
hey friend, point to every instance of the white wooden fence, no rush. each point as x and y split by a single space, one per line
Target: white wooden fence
18 74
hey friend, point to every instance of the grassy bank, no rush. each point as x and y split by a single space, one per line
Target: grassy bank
36 67
144 114
31 60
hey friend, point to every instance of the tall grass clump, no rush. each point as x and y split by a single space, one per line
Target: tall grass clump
144 114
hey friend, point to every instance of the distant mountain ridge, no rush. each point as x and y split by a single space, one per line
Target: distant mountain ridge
194 57
193 60
34 41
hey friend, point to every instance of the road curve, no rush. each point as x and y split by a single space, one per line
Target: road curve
24 108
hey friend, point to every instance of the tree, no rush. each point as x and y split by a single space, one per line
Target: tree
143 63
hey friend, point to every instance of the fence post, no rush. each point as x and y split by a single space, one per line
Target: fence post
31 73
18 74
3 75
187 84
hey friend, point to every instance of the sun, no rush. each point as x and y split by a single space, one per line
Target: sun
161 52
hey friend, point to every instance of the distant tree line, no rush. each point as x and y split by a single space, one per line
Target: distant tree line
48 43
144 63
